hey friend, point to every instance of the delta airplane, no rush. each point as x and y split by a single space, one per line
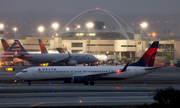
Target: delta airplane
53 59
84 74
5 45
42 47
44 50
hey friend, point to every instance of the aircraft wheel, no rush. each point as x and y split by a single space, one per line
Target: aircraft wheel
92 83
86 83
29 83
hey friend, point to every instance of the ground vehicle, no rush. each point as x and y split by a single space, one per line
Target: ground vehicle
176 62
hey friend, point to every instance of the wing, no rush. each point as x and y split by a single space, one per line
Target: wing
104 74
62 60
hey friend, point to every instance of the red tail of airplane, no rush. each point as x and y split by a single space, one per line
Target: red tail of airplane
148 57
42 47
60 50
5 45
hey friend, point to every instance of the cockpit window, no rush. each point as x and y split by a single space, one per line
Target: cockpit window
24 71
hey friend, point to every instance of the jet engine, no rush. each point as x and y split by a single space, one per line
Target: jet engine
78 79
72 62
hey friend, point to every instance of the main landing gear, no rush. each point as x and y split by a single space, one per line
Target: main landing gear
29 82
91 83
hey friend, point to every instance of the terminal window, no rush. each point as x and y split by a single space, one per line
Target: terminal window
165 46
100 45
128 54
1 32
76 51
77 44
128 45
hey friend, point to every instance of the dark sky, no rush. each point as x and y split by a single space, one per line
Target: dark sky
28 14
77 6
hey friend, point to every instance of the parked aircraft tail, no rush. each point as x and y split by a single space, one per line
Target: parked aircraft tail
11 50
60 50
20 49
148 57
8 54
42 47
5 45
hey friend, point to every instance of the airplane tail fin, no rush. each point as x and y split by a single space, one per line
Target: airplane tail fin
20 49
42 47
148 57
11 50
5 45
60 50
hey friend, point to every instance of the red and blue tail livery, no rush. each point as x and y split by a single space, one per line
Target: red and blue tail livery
21 52
42 47
5 45
20 49
60 50
148 57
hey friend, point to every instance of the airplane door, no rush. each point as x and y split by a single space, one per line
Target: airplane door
33 72
135 71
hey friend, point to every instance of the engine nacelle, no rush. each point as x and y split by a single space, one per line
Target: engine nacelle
78 79
72 62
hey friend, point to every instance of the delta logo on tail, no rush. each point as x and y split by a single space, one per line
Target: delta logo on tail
148 57
5 45
42 47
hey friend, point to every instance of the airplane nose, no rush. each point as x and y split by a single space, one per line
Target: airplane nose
18 75
96 60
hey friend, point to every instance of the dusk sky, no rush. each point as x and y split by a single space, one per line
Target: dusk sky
28 14
77 6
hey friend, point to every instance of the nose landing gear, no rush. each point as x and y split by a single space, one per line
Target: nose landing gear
91 82
29 82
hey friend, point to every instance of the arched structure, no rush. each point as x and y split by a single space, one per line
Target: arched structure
112 15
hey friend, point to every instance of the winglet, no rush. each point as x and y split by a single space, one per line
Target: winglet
69 55
125 67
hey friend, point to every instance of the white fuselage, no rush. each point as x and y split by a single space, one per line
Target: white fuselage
56 72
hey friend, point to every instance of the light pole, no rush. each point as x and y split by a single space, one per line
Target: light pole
1 26
1 30
15 29
142 26
41 29
55 26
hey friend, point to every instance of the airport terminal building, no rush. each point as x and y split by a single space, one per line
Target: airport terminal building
130 49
